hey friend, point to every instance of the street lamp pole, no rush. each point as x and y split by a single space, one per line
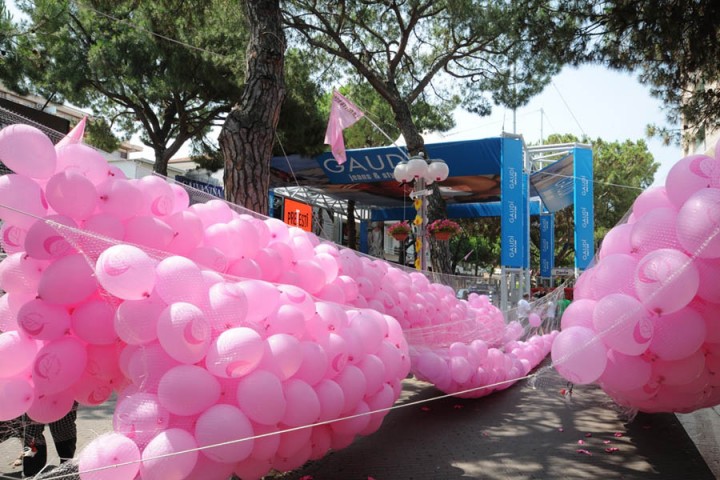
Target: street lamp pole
422 173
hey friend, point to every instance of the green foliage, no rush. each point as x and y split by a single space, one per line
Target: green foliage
130 62
99 134
302 124
674 47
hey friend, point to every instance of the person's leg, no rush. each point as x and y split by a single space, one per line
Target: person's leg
64 433
35 455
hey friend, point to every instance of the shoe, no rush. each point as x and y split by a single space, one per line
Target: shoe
66 449
19 461
35 460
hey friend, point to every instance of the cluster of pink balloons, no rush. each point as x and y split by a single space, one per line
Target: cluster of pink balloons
644 324
478 354
200 318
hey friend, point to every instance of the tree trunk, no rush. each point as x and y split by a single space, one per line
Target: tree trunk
439 250
247 137
161 162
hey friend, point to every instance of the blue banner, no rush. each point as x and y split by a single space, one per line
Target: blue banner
368 165
547 244
584 212
513 204
202 186
554 184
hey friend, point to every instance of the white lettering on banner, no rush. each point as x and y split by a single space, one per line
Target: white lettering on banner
380 163
584 217
355 165
584 186
584 249
513 246
512 212
512 178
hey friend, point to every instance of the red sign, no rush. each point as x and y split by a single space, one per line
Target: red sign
298 214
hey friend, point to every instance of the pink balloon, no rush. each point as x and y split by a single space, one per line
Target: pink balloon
20 348
353 426
245 268
270 263
158 463
106 225
182 199
149 232
614 274
84 159
578 355
682 371
91 391
24 199
188 390
224 424
26 150
698 224
578 313
260 396
17 395
283 355
678 335
59 364
177 280
111 456
278 230
12 238
158 197
245 229
70 193
263 299
354 386
625 372
41 320
136 320
184 332
67 281
534 320
46 241
623 323
120 198
617 240
93 322
147 365
207 469
50 407
689 175
709 284
314 363
228 306
212 212
666 280
209 257
126 272
656 229
187 231
654 197
21 274
235 353
303 405
140 417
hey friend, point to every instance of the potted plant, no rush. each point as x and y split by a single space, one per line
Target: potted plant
400 230
443 229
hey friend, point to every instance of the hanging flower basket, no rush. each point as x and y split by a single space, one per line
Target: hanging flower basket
400 231
443 229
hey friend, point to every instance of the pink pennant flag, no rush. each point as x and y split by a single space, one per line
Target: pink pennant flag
75 135
343 114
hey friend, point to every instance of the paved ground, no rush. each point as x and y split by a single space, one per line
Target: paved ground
519 433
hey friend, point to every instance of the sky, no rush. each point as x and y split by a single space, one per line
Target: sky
590 100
